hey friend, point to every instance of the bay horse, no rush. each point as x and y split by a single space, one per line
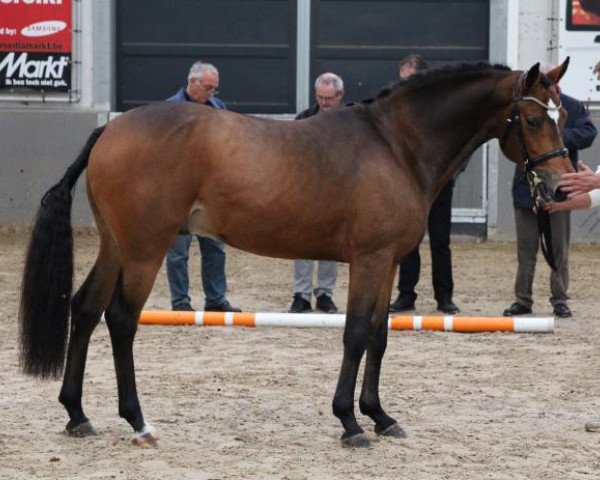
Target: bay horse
352 185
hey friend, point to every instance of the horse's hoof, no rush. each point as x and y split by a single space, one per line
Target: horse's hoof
147 438
358 440
394 430
81 430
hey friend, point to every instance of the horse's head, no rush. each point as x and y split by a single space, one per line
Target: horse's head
532 136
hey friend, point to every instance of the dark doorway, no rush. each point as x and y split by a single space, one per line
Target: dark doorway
251 42
363 40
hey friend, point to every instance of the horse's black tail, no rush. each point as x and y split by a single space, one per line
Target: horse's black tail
47 283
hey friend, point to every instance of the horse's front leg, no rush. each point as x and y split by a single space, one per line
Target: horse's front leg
367 275
369 402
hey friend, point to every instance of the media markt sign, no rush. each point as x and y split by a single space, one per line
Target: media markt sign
35 45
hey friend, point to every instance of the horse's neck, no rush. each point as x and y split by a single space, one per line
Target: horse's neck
450 128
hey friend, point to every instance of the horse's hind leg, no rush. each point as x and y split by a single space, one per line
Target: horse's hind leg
87 306
369 402
367 277
133 287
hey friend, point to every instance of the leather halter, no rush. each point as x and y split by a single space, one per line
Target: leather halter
514 119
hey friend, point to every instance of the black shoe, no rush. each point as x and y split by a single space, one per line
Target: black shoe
403 303
562 310
516 309
183 307
221 307
448 307
325 304
299 305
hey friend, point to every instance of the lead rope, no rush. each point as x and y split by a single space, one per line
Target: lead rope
543 222
545 233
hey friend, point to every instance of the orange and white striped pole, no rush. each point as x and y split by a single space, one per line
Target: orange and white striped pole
445 323
473 324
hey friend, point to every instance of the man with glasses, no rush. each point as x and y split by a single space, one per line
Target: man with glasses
329 91
202 85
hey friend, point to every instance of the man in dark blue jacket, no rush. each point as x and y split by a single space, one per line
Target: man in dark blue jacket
202 85
579 132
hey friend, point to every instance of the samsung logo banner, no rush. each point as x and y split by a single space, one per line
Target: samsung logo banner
43 29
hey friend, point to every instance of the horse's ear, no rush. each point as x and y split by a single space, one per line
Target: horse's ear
533 76
557 73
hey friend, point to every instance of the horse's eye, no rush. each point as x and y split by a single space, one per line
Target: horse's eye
533 123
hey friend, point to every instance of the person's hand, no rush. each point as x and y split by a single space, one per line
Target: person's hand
552 207
583 181
543 206
578 202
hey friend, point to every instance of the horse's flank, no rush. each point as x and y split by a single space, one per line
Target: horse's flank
289 181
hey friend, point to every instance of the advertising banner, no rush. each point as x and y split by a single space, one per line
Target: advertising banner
35 45
579 38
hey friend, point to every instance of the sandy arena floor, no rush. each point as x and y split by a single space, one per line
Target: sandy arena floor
255 403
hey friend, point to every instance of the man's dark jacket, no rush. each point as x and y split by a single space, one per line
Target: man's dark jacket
182 96
309 112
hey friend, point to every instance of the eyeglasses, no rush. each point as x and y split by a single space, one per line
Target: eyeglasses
321 98
212 89
209 88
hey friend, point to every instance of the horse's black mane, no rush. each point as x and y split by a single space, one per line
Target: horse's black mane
448 73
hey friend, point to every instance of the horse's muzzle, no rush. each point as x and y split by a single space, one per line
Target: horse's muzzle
543 193
559 195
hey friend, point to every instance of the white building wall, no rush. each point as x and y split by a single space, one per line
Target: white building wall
534 32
